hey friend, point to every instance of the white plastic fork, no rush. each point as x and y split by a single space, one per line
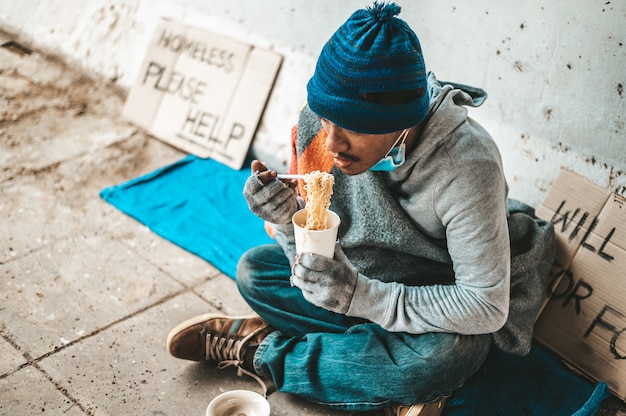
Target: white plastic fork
289 176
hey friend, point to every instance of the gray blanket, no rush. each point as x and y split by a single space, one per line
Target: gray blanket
533 247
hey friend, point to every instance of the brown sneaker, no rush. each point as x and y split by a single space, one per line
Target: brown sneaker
428 409
227 341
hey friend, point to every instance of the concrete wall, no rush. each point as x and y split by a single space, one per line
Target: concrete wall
555 70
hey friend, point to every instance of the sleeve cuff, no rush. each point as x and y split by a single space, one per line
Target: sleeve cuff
369 300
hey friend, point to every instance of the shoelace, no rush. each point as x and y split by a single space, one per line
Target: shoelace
227 352
222 348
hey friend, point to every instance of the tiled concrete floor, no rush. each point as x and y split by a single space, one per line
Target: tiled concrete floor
87 295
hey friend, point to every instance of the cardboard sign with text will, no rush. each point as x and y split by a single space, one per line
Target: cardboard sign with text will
202 92
584 316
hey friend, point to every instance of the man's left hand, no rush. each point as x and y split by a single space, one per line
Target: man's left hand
327 283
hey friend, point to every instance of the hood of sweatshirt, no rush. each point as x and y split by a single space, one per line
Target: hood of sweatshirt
447 111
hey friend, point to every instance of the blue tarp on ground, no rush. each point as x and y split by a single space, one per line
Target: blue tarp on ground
197 204
534 385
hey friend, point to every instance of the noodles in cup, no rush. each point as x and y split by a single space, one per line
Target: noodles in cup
319 189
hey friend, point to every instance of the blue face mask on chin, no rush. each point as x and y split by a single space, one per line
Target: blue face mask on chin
394 158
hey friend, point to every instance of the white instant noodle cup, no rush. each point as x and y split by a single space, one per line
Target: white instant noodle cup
320 242
238 403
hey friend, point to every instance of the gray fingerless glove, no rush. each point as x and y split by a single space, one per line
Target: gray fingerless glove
274 202
327 283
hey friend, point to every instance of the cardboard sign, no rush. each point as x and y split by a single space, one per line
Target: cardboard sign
584 316
202 92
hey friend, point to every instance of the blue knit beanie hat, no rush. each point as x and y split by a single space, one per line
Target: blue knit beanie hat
372 52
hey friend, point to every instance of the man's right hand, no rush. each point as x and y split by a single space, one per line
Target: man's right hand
273 200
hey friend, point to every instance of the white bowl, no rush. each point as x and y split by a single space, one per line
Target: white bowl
238 403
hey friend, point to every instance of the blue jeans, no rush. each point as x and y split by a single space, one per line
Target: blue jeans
343 362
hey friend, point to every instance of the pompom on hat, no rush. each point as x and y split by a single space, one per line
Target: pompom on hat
372 52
